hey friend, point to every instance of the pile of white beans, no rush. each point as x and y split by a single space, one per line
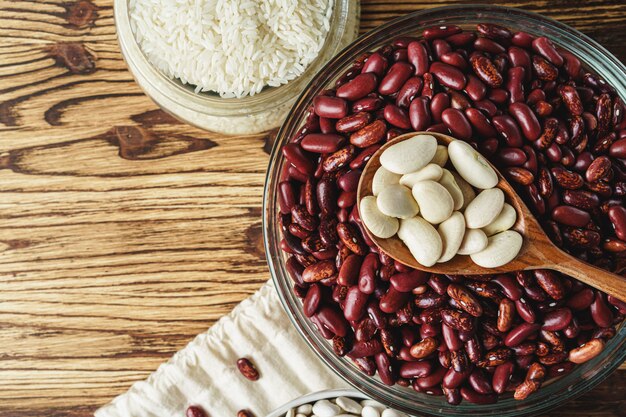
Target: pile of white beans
414 193
344 407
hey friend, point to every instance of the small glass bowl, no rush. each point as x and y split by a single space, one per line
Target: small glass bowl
247 115
316 396
552 394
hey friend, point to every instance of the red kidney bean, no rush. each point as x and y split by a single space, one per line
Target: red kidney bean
428 90
509 130
617 215
525 311
355 304
367 104
395 116
448 75
396 76
544 46
407 281
571 216
455 59
439 48
520 333
332 320
322 143
502 376
409 91
359 87
600 311
457 123
543 69
526 119
486 71
438 32
367 273
515 85
393 300
475 88
312 300
330 107
438 104
480 123
350 180
418 57
487 107
418 369
473 397
479 382
581 300
557 319
433 379
376 64
522 39
419 114
618 149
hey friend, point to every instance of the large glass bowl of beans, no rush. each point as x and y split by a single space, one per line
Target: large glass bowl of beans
541 101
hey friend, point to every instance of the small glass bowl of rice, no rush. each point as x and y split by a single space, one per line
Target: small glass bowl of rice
231 66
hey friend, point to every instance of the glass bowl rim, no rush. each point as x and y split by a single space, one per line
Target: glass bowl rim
610 69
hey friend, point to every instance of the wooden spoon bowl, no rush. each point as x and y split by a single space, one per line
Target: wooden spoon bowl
537 252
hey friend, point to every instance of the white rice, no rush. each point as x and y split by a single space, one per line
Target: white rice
232 47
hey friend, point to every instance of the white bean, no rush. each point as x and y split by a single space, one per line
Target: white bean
505 220
484 208
429 172
451 231
501 249
376 222
349 405
396 201
382 178
393 413
449 183
369 411
435 202
468 191
305 409
474 241
409 155
441 156
422 240
324 408
471 165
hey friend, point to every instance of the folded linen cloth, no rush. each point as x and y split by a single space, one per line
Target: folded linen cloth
205 372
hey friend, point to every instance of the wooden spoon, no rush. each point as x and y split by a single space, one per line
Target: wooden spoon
537 252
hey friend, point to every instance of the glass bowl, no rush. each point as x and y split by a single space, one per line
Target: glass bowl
585 376
247 115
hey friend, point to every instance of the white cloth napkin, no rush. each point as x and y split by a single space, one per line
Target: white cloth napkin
205 372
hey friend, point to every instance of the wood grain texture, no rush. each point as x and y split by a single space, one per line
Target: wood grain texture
124 233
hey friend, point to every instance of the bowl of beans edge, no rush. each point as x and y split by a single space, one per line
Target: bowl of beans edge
348 402
317 260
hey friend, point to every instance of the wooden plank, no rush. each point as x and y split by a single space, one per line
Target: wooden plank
123 232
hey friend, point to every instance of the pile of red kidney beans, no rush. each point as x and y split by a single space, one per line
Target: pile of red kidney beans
554 130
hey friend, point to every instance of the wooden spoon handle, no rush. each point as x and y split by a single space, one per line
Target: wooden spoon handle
598 278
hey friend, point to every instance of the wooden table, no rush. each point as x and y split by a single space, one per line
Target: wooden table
123 232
